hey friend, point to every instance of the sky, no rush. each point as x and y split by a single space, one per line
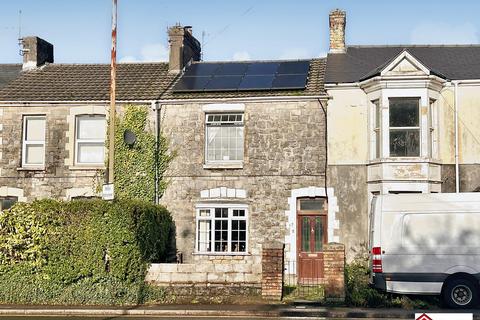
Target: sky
229 30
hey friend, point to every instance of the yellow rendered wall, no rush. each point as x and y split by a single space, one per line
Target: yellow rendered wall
348 137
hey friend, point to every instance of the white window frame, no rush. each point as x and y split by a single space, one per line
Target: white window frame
377 129
87 141
234 124
419 127
432 125
26 142
230 207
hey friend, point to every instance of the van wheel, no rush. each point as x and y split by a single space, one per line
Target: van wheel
460 293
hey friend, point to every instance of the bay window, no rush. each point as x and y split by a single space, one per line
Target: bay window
221 229
404 127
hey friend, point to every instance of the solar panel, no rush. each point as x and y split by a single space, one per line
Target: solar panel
244 76
191 83
256 82
202 69
232 69
223 83
289 81
294 67
262 68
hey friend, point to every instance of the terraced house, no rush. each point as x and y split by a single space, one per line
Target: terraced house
401 119
53 122
273 158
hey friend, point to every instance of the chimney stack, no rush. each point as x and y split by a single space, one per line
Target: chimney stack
183 48
337 31
36 52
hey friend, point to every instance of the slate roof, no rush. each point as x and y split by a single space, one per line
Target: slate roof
314 87
362 62
8 73
89 82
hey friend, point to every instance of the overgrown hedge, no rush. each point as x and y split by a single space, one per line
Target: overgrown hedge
82 252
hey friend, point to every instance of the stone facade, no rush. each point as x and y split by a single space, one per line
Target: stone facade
59 177
284 150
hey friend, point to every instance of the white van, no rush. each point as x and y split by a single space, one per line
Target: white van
427 244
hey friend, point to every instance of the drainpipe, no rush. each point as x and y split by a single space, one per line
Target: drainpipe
326 149
457 167
157 109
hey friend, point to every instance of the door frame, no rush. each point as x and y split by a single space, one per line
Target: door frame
310 213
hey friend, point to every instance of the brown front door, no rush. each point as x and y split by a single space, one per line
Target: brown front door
311 235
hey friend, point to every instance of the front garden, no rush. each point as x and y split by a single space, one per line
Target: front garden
83 252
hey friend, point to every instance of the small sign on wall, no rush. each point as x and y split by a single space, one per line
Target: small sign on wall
108 192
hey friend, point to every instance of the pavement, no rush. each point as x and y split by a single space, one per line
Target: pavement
220 310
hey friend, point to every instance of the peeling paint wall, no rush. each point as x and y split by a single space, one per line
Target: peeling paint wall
468 124
350 185
446 127
347 127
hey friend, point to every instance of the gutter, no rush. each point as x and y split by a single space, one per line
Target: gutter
161 101
68 103
243 99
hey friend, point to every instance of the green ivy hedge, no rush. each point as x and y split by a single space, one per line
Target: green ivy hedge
82 252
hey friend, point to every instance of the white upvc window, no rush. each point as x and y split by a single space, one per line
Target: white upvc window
33 145
224 137
221 229
90 131
377 128
432 124
404 127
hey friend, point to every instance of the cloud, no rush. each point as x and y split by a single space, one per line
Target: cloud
128 59
295 53
153 52
443 33
241 56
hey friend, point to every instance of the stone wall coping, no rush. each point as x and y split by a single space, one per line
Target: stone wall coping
334 246
272 244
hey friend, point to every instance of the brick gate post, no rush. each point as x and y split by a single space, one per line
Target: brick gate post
334 262
272 270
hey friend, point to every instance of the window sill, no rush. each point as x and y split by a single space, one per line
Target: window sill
31 169
404 160
86 167
223 165
220 254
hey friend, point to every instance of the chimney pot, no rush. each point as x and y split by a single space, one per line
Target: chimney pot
36 52
337 31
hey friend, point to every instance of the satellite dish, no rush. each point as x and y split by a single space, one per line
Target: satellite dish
129 137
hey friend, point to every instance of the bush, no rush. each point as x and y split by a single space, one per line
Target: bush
358 291
360 294
81 252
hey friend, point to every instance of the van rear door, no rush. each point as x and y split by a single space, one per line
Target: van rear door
371 231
